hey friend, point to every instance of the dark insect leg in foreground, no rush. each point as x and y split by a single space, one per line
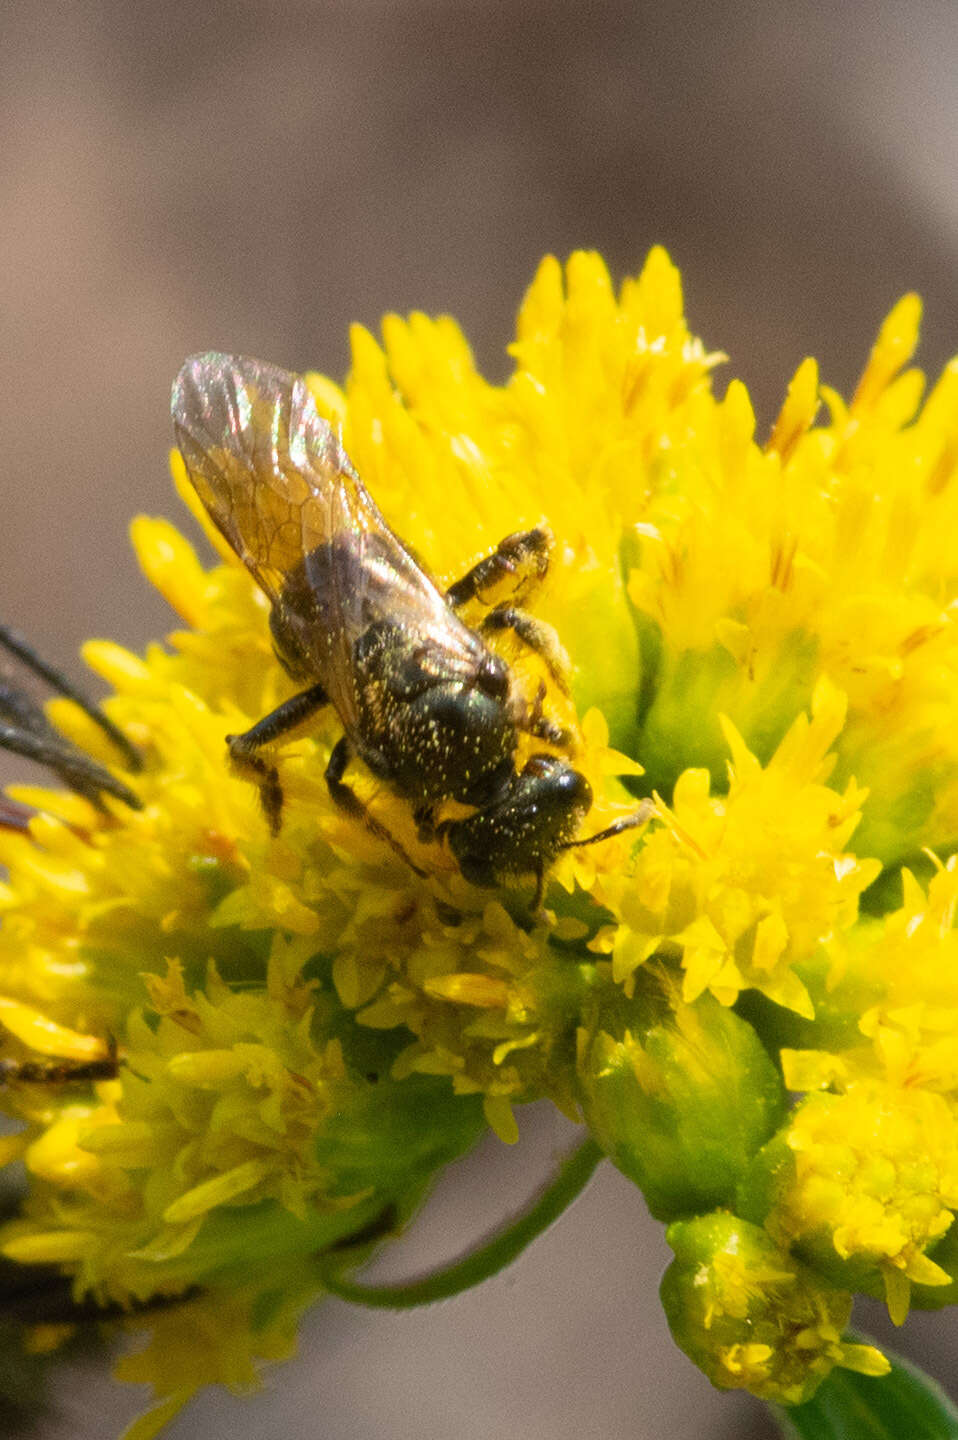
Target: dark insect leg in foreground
271 728
19 646
77 770
349 802
25 730
13 816
62 1072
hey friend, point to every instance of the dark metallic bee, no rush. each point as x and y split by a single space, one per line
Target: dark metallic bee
355 619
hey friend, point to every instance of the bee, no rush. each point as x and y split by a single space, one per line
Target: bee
425 704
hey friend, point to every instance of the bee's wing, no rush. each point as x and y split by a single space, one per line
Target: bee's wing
263 462
279 486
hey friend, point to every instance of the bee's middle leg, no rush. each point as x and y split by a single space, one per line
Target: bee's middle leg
539 637
345 797
272 727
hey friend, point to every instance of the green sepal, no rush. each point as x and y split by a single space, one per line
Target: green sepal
605 634
838 1007
692 688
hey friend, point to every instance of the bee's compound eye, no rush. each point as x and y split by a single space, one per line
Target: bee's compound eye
575 787
565 785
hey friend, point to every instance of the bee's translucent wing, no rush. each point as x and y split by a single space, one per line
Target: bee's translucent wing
262 460
279 486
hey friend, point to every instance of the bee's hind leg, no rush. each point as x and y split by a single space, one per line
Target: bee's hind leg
277 723
349 802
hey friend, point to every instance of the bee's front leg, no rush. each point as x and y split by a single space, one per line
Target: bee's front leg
534 721
523 555
288 716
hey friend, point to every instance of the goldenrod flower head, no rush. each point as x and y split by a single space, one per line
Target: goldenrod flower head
751 1316
744 885
762 645
874 1184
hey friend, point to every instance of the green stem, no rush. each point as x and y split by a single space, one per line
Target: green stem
488 1259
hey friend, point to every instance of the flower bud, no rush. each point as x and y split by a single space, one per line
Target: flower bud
680 1105
751 1317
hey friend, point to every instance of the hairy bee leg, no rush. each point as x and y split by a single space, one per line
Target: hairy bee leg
510 556
277 723
20 646
349 802
79 771
628 822
539 637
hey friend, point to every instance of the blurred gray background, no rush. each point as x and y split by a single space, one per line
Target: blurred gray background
253 177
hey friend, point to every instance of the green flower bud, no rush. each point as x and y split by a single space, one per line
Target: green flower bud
680 1105
753 1318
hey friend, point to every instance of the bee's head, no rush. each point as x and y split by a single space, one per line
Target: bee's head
521 832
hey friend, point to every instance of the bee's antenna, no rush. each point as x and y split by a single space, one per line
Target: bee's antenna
628 822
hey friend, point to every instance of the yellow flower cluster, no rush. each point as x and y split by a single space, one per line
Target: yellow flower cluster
875 1177
743 886
763 643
